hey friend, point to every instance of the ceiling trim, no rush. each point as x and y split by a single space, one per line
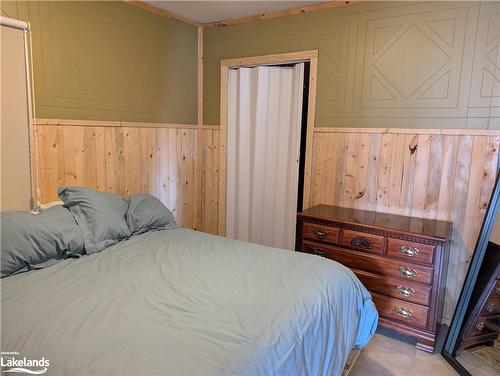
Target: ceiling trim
235 21
160 12
281 13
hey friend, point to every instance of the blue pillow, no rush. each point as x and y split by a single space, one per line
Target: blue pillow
100 215
146 213
30 241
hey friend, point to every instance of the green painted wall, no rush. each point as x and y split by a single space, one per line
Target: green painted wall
110 61
393 64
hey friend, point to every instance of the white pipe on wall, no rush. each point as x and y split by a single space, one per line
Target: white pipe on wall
16 24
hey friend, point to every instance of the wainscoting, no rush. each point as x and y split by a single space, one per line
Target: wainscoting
438 174
441 174
176 163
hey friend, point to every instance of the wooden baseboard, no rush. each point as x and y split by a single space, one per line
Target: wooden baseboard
428 131
111 123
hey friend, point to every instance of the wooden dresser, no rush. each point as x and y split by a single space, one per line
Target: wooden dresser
400 260
482 319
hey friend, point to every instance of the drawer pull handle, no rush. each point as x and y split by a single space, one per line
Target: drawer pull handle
405 291
407 272
490 307
403 312
319 252
409 251
361 242
480 326
320 234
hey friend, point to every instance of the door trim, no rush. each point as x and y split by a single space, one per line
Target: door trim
310 56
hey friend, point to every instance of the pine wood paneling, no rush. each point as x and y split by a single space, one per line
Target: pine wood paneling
445 174
177 165
438 176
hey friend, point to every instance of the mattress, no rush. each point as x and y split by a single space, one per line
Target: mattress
180 302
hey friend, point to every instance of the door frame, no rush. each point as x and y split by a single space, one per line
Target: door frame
310 56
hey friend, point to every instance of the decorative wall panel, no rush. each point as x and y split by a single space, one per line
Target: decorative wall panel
413 60
109 60
337 41
381 64
485 89
334 37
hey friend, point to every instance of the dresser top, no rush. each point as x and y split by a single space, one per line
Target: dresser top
420 226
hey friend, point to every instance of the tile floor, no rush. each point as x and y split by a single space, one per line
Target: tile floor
475 365
385 356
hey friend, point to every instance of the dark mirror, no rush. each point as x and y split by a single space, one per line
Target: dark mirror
472 346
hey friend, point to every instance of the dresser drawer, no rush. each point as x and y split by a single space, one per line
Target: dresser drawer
363 242
399 310
492 307
496 290
320 232
404 277
410 251
410 292
492 303
485 325
404 271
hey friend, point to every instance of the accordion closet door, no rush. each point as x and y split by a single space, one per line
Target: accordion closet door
263 147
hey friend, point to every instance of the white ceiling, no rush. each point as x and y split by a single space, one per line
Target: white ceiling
210 11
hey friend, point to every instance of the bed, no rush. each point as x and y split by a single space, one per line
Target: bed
181 302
